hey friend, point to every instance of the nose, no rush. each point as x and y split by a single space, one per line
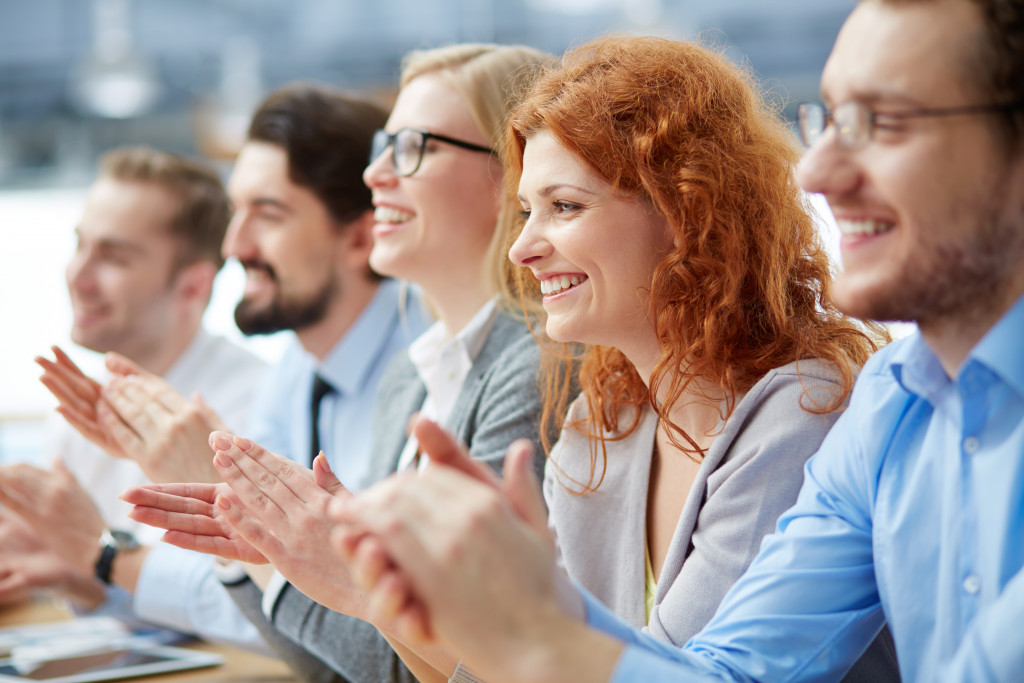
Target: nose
238 240
828 168
79 272
530 246
380 173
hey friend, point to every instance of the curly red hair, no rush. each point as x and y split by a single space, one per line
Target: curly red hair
746 288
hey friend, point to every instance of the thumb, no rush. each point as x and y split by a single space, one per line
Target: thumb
443 449
521 486
325 477
119 365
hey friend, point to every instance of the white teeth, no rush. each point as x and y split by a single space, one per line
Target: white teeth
386 214
560 283
864 227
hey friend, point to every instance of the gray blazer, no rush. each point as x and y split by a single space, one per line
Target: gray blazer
499 403
750 475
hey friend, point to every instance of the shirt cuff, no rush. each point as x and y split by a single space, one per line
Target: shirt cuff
230 573
271 594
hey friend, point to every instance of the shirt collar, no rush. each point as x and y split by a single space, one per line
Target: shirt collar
351 361
425 351
917 369
999 349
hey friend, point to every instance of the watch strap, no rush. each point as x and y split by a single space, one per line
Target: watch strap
105 562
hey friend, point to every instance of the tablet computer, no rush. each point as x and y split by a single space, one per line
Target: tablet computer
107 665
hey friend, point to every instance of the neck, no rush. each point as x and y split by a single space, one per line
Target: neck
456 306
952 337
160 360
319 338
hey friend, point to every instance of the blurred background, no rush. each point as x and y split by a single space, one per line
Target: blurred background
78 77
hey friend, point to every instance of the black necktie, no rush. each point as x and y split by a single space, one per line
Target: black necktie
320 389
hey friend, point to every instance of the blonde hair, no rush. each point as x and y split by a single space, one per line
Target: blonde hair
492 79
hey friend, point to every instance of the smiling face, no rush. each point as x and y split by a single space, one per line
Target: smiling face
286 241
122 278
593 250
930 208
434 227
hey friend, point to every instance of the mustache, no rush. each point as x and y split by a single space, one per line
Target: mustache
253 264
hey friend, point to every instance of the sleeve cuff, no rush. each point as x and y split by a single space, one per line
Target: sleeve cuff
271 594
231 573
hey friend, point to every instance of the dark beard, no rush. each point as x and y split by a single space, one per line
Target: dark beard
284 313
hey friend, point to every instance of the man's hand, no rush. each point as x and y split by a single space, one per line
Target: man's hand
28 564
58 509
154 425
192 519
79 398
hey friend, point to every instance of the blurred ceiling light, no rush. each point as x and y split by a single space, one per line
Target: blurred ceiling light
114 79
222 120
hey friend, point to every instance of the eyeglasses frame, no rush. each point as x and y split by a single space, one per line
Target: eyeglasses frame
828 117
427 135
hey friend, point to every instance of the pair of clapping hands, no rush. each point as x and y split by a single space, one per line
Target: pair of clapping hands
136 416
449 555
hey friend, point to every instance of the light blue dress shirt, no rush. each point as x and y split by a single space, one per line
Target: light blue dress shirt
912 511
279 419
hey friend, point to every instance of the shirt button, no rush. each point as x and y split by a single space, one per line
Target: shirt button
972 584
971 445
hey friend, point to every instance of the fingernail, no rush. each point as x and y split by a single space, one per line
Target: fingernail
220 441
221 460
243 443
223 503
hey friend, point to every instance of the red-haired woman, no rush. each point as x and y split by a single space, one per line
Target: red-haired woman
665 231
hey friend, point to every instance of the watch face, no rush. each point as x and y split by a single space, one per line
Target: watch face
124 540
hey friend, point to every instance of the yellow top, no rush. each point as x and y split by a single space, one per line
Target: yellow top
650 583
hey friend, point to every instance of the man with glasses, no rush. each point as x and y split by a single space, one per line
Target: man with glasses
912 513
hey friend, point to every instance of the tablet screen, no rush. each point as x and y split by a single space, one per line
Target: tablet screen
109 665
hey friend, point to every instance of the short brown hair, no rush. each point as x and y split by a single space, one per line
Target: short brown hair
326 136
204 212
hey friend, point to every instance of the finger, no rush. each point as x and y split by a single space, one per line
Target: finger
369 561
387 598
412 625
196 524
443 449
68 392
281 481
134 406
214 545
257 535
156 495
127 440
119 365
87 426
72 371
325 477
521 486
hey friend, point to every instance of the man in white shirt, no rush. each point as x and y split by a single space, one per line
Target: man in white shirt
148 249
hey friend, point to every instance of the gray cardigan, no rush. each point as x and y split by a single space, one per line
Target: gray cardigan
499 403
750 475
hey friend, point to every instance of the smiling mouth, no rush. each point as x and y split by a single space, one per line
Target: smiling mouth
561 283
387 214
864 228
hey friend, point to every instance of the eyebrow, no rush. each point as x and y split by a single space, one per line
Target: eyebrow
548 190
270 202
874 96
113 244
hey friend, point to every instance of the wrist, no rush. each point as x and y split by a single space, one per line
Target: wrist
112 543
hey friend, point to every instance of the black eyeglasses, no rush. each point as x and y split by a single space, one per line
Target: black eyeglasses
855 122
407 147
